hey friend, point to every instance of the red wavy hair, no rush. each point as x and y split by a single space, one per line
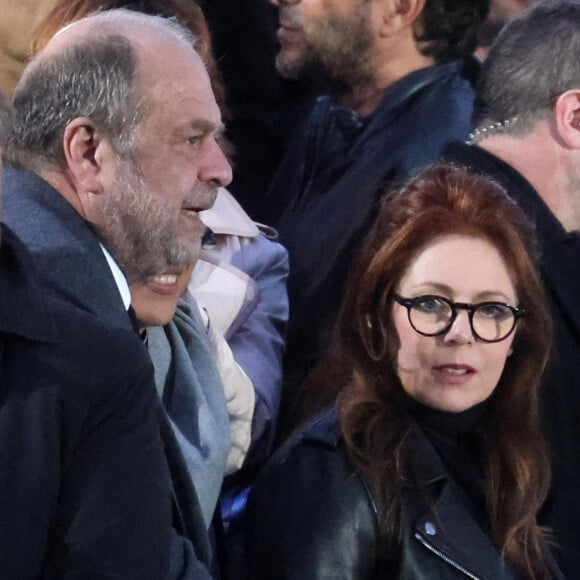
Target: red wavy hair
444 199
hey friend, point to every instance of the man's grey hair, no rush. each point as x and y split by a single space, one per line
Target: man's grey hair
535 59
94 77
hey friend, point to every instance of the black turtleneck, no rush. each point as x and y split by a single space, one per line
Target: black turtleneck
458 441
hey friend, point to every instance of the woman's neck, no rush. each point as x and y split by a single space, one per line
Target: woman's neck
450 424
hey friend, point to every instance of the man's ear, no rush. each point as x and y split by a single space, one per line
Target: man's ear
90 157
567 118
400 14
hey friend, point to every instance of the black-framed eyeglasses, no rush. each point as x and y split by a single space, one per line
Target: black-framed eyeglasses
432 315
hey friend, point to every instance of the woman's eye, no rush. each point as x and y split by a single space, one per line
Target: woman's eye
494 311
430 304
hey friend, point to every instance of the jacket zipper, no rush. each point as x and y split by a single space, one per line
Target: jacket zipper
445 558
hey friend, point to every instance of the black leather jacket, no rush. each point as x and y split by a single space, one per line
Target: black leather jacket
310 516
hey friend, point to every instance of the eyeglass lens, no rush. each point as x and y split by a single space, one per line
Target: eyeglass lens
490 321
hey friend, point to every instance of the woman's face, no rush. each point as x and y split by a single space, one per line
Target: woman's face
454 371
155 301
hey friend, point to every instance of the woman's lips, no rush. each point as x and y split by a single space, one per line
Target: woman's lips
452 374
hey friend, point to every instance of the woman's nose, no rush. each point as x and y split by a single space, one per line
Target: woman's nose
460 331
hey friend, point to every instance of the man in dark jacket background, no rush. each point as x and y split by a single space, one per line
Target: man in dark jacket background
398 83
528 139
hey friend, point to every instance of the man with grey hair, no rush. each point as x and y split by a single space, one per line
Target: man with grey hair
528 139
84 480
107 130
114 151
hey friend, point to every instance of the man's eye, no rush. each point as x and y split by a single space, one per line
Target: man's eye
194 139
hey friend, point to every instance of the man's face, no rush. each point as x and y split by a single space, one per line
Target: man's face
149 215
328 38
142 229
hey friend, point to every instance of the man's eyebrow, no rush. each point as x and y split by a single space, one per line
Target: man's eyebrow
207 126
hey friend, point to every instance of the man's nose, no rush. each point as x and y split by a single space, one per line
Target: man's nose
216 168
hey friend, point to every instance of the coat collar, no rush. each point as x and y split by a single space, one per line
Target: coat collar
426 466
227 216
440 517
436 510
66 246
559 249
448 529
24 310
398 94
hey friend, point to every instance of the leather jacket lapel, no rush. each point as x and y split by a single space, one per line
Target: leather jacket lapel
439 518
450 532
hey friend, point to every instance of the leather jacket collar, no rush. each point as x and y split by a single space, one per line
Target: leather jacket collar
438 524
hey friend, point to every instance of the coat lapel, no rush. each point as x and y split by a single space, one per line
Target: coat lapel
64 246
446 526
449 530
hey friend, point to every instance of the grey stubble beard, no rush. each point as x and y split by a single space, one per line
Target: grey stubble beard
139 231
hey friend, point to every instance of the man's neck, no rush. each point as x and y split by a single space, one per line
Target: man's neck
544 165
63 183
366 96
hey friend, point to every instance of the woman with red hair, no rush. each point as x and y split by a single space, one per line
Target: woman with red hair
432 463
